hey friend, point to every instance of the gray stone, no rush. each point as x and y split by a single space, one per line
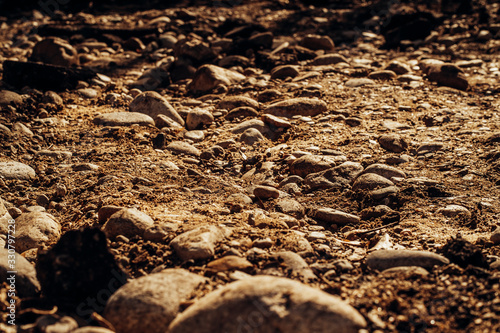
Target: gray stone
393 143
123 119
150 303
233 102
153 104
251 136
384 170
16 170
371 181
301 106
26 282
310 164
198 243
36 229
128 222
333 216
384 259
283 304
180 147
197 118
208 77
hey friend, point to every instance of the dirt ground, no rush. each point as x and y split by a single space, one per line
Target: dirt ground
463 296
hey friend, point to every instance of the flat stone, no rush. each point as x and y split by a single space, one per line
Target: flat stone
241 112
16 170
197 118
295 265
333 216
359 82
393 143
310 164
181 147
301 106
230 263
454 210
384 170
123 119
208 77
57 154
383 75
317 42
233 102
26 282
398 67
371 181
92 329
195 136
36 229
128 222
275 121
153 104
328 59
266 192
384 259
150 303
252 123
283 304
406 271
429 147
198 243
162 121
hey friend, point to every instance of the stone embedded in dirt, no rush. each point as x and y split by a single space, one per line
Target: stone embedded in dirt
290 207
337 177
242 112
384 170
328 59
384 259
208 77
310 164
162 121
251 136
398 67
105 212
16 170
382 75
197 118
36 229
128 222
393 143
281 304
195 136
153 104
55 51
284 71
151 302
429 147
333 216
406 271
301 106
316 42
26 282
181 147
266 192
252 123
232 102
79 272
495 236
230 263
92 329
295 266
454 210
371 181
10 98
275 121
359 82
198 243
445 74
123 119
234 60
195 49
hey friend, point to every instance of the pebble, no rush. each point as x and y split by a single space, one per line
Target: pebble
495 236
333 216
384 259
88 92
208 77
328 59
241 112
197 244
383 75
252 123
407 271
230 263
317 42
284 71
197 118
384 170
454 210
16 170
36 229
370 181
251 136
280 303
195 136
301 106
128 222
429 147
266 192
26 282
232 102
153 104
393 143
398 67
181 147
275 121
22 129
150 303
295 265
123 119
290 207
307 164
263 243
359 82
56 154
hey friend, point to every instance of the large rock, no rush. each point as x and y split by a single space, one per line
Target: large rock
153 104
267 304
384 259
301 106
55 51
208 77
123 119
198 243
36 229
10 98
150 303
27 284
128 222
16 170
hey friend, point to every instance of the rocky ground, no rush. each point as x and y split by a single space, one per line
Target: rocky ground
264 166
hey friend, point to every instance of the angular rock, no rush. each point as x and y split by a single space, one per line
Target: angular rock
197 118
123 119
370 181
153 104
16 170
151 302
333 216
198 243
208 77
393 143
310 164
384 259
181 147
128 222
26 282
196 50
36 229
281 304
55 51
301 106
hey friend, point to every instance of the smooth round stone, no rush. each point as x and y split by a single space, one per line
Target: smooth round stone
454 210
371 181
384 170
333 216
26 282
301 106
195 136
197 118
251 136
36 229
384 259
10 98
229 263
495 236
198 243
123 119
180 147
128 222
382 75
16 170
153 104
393 143
266 192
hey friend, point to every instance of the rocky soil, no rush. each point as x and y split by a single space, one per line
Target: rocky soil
251 166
